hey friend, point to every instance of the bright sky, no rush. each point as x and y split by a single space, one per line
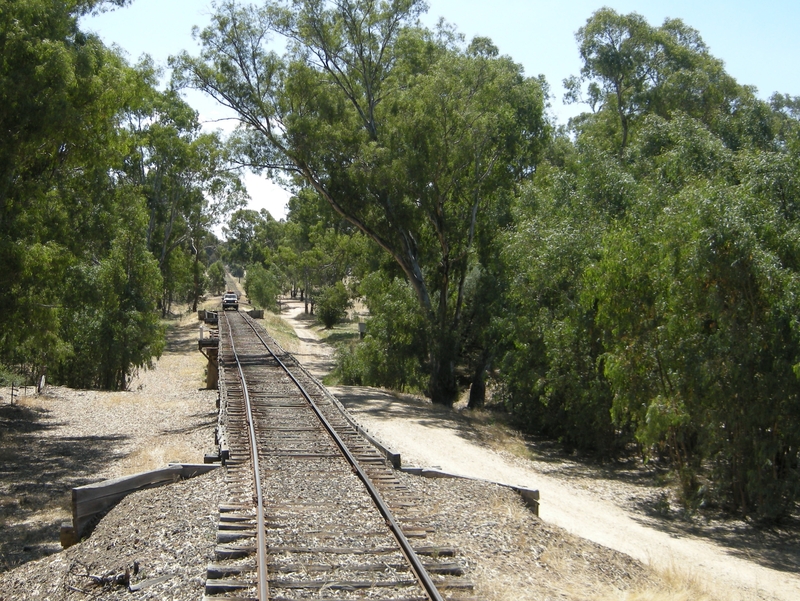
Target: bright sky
758 42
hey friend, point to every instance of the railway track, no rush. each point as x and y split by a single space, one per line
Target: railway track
316 511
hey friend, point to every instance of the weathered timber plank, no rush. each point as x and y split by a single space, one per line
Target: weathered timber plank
219 571
231 536
227 586
233 551
125 484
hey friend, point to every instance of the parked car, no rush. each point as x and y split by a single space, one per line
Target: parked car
230 301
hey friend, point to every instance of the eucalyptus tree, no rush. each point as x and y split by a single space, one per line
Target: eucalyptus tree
407 134
187 180
696 299
632 69
216 277
655 259
240 235
75 284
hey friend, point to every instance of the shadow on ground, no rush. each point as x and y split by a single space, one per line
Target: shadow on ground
204 421
379 403
37 474
178 339
772 547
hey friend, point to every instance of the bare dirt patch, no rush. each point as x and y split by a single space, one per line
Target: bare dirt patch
65 438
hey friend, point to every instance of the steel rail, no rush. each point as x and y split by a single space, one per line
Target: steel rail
261 534
416 565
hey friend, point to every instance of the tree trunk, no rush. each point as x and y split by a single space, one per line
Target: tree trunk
443 388
477 392
196 290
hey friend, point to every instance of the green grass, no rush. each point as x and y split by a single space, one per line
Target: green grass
346 331
281 331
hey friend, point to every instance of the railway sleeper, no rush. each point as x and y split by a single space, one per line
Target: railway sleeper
338 585
245 514
430 551
284 598
224 552
228 585
232 536
445 569
236 526
220 571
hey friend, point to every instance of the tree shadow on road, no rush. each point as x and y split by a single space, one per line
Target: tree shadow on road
775 546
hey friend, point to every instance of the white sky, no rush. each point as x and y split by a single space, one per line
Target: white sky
758 41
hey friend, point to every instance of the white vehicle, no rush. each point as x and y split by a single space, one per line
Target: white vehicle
230 301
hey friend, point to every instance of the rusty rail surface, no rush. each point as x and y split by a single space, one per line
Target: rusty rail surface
261 543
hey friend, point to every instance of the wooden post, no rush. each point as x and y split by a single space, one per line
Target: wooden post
212 373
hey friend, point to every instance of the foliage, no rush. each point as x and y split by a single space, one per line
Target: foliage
633 69
262 286
185 177
702 342
393 351
111 316
552 372
61 202
216 277
354 108
102 177
655 266
11 377
332 304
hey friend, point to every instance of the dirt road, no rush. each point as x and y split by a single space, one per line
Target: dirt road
584 504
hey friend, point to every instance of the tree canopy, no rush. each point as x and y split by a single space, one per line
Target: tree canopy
627 284
85 229
408 134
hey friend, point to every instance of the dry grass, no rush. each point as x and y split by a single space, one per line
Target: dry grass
674 583
513 557
342 331
157 454
495 432
25 396
281 331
